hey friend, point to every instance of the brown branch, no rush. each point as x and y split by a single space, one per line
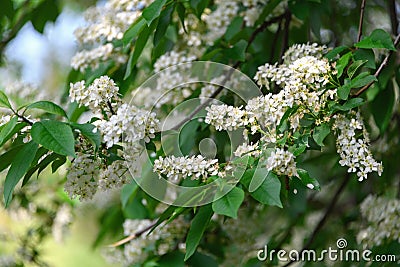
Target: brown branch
275 40
360 24
323 220
393 16
285 41
131 237
381 67
260 29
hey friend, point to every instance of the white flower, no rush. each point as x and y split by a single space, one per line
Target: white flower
282 163
224 117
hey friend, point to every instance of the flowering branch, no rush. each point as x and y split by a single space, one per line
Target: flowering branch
381 67
360 25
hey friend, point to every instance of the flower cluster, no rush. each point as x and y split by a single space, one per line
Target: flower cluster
176 168
105 24
246 149
224 117
383 220
297 51
282 162
128 124
115 176
99 96
352 145
253 10
82 177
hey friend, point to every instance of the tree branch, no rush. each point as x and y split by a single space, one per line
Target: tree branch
360 24
131 237
381 67
285 41
253 36
323 220
393 16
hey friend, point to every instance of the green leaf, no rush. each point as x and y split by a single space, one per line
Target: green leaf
362 79
229 204
344 91
354 67
58 163
283 124
350 104
199 6
134 31
336 51
378 39
20 165
55 136
197 228
268 8
7 130
174 258
126 193
16 129
238 51
7 158
163 23
382 107
153 11
4 102
138 49
233 28
49 107
320 133
187 136
269 191
90 132
7 9
342 63
305 178
181 10
46 11
366 54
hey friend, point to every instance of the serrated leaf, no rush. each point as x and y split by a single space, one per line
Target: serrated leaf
320 133
268 192
19 167
153 11
197 228
229 204
49 107
7 129
90 132
55 136
378 39
307 180
4 102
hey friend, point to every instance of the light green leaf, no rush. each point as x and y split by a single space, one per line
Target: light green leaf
19 167
7 129
320 133
342 63
269 191
362 79
355 66
334 52
229 204
4 102
344 91
55 136
350 104
163 23
153 11
378 39
49 107
305 178
134 31
197 229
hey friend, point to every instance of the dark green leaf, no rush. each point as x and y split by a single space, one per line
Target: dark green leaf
382 107
197 228
172 259
238 51
268 8
354 67
350 104
46 11
163 23
362 79
344 91
366 54
90 132
199 6
4 102
378 39
307 180
55 136
126 193
336 51
7 158
16 129
7 9
181 10
58 163
20 165
49 107
7 130
320 133
187 136
233 28
229 204
153 11
41 166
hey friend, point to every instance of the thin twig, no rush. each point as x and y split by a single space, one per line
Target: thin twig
275 40
393 16
285 41
260 29
381 67
323 220
360 24
131 237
